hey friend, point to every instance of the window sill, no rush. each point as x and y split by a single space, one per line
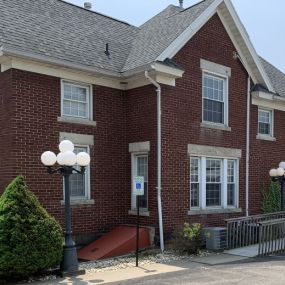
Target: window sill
143 213
74 202
215 126
265 138
76 121
214 211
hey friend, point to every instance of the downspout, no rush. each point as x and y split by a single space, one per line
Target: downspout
247 149
158 91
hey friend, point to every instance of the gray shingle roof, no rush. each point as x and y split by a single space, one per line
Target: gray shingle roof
63 31
158 33
276 77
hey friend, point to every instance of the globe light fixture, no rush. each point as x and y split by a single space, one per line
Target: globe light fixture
278 175
48 158
67 161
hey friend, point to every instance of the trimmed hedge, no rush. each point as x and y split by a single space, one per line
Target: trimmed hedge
30 239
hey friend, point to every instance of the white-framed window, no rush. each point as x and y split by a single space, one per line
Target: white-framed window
213 183
265 122
80 184
140 168
76 100
215 99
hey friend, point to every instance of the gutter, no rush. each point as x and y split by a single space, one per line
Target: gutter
158 91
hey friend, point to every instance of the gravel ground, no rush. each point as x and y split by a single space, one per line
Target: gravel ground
148 257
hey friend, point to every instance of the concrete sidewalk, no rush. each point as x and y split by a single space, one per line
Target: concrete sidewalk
120 274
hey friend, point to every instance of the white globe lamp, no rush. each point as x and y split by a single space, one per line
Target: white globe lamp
83 159
282 164
66 145
273 173
48 158
280 171
67 158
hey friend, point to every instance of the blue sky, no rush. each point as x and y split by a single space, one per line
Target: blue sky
263 19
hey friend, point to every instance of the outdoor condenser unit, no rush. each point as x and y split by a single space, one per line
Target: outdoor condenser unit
216 238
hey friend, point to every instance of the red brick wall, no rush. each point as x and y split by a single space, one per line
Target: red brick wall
7 129
141 126
37 106
182 115
264 155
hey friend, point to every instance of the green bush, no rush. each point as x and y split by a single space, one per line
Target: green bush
189 240
30 239
271 198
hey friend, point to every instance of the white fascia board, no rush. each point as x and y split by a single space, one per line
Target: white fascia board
248 43
239 51
58 62
169 71
66 73
267 100
181 40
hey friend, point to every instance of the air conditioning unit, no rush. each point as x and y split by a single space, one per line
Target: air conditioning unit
216 238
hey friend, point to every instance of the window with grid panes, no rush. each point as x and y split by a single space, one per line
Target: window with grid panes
214 99
265 122
75 100
79 184
214 180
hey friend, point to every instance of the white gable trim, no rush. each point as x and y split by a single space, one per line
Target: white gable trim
248 44
181 40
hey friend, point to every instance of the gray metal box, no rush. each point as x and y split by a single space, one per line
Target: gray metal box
216 238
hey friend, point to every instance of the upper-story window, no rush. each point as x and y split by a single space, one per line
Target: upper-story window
215 103
265 122
76 100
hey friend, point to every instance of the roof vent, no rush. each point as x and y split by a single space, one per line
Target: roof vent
87 5
181 4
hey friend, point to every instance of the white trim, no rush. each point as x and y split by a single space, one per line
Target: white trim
212 151
196 212
79 121
170 71
189 32
142 213
139 147
215 68
249 44
210 125
77 139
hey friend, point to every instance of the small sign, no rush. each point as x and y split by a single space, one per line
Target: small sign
139 185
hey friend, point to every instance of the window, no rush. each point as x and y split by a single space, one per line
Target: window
213 182
265 122
76 100
214 99
80 184
140 168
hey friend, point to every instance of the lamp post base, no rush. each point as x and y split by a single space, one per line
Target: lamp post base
69 265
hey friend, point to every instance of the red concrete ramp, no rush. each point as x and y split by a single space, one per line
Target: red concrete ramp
119 241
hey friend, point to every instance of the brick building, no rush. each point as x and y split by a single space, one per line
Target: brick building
71 73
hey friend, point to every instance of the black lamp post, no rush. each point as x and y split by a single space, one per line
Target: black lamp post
278 175
67 159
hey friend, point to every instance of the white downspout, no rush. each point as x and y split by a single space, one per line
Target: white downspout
247 149
158 91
